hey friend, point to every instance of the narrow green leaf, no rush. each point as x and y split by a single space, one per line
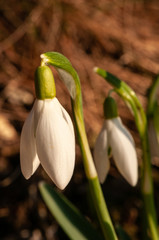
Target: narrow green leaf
67 215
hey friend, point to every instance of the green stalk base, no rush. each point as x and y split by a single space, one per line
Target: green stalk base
101 209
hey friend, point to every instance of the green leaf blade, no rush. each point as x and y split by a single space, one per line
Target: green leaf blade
67 215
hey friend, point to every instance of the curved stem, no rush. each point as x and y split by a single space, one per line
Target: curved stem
72 82
147 189
152 96
95 187
101 209
130 98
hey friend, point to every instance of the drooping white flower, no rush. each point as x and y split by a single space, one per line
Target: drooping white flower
48 138
115 136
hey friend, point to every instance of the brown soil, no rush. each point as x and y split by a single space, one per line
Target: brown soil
119 36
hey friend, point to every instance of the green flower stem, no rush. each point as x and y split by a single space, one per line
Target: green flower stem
101 209
130 98
72 82
95 187
152 96
153 106
147 189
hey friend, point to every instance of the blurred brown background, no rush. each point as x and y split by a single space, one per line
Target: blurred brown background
121 36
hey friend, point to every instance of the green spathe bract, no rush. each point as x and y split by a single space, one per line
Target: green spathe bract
44 83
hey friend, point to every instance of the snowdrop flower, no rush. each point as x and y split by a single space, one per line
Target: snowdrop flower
48 135
115 137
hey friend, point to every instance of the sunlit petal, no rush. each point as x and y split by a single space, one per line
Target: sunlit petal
28 158
67 119
38 108
101 158
123 150
55 144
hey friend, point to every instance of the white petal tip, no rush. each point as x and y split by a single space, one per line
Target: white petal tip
61 181
61 185
101 181
133 184
132 180
26 176
102 178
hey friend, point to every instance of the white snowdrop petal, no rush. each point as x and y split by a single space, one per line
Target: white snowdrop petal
67 119
38 108
118 123
123 151
54 105
101 158
28 158
55 145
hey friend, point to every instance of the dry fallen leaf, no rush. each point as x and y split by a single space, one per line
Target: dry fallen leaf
7 131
